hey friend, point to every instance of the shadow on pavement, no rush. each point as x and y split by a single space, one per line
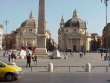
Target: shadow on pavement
3 80
108 80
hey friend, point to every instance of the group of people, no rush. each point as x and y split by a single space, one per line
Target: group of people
30 58
11 56
81 54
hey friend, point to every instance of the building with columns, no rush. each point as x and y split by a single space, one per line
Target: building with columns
1 36
26 35
73 35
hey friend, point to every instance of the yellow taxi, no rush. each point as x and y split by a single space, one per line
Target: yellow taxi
9 71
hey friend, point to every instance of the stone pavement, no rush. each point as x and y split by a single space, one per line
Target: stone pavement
73 60
62 75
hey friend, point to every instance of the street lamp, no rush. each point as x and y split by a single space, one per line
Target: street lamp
106 5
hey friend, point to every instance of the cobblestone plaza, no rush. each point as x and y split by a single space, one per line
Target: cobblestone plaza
62 74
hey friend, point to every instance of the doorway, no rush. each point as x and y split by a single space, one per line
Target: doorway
74 48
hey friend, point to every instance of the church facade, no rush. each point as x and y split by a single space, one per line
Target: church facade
26 35
73 35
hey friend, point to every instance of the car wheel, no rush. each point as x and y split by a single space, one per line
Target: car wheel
9 77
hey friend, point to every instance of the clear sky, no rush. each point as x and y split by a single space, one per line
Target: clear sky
17 11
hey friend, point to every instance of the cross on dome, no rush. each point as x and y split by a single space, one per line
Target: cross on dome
31 16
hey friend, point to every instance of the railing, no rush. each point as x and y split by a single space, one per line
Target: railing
68 67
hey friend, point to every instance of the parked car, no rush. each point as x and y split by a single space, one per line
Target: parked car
102 50
9 71
68 50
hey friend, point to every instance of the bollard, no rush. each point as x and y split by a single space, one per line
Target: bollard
50 67
88 67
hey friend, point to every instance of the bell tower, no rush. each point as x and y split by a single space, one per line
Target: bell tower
62 22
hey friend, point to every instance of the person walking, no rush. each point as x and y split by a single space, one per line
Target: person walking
9 57
81 55
5 53
101 55
28 60
13 57
65 55
35 59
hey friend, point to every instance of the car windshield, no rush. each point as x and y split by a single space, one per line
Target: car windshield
6 62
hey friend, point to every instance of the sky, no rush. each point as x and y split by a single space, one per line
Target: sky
91 11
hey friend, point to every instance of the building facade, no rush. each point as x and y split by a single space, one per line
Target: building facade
1 36
106 37
26 35
96 42
73 35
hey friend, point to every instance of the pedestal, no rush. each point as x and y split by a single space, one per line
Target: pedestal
41 51
41 45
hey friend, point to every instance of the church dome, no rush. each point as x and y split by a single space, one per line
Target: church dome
75 21
31 22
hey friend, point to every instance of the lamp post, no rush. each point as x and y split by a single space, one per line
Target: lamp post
106 5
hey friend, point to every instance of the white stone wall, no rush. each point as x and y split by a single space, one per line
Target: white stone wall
88 43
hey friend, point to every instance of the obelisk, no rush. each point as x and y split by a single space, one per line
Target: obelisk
41 38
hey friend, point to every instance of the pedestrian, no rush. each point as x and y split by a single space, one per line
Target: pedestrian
5 53
35 59
28 60
13 57
101 55
9 57
81 55
65 55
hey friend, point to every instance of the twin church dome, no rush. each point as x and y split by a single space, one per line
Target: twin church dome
74 21
31 22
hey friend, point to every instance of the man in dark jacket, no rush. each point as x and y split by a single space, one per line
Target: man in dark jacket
28 60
